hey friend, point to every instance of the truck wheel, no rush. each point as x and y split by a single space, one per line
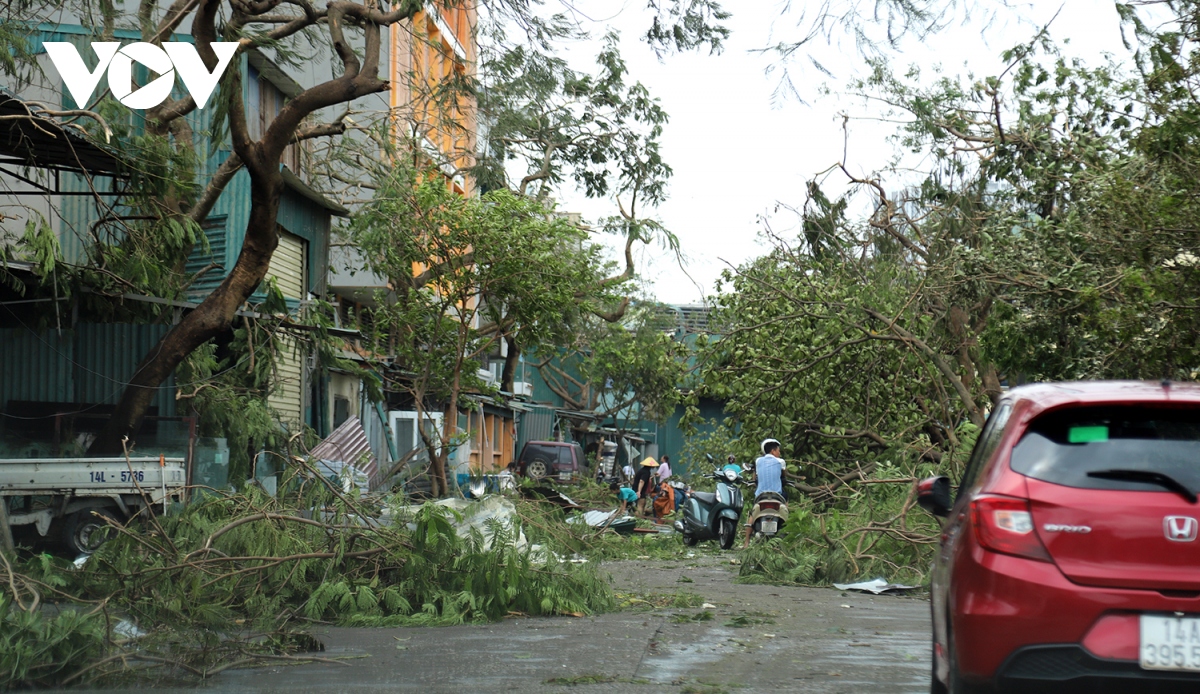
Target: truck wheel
537 468
727 534
85 530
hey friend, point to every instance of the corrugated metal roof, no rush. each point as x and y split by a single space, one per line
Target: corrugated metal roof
348 443
28 138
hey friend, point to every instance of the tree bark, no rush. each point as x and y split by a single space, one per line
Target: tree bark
510 364
261 159
209 319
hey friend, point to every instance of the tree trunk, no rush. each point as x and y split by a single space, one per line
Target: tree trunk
211 318
449 430
510 364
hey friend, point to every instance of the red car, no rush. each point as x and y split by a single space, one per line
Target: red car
1069 559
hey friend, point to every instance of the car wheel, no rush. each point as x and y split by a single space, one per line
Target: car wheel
85 530
537 469
727 534
690 540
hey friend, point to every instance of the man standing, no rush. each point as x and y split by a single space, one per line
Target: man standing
643 483
664 469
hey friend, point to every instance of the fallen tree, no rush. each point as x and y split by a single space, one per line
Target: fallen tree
235 580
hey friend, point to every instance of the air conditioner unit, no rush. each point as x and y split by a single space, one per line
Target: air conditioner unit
522 388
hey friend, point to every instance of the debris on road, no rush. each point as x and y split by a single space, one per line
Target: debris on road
878 586
603 519
551 495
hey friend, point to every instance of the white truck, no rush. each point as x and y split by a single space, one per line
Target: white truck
67 499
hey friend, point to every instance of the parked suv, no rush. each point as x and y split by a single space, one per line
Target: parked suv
552 460
1069 557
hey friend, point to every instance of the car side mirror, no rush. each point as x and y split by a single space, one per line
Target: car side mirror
933 495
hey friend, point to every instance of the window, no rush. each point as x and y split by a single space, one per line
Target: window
1064 446
341 410
985 446
539 452
271 100
408 439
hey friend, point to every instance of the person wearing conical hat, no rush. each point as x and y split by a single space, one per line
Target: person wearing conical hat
643 482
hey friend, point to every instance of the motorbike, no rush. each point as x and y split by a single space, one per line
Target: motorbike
713 515
769 514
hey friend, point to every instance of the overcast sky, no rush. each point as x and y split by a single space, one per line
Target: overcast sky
736 151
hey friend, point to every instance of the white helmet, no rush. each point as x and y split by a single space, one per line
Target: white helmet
766 442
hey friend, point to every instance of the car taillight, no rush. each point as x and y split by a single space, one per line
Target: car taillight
1005 524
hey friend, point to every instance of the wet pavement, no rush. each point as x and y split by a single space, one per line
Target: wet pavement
759 639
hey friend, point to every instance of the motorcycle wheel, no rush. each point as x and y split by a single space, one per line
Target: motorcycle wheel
727 533
690 540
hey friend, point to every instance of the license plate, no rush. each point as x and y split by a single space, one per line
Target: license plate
1170 643
770 526
564 476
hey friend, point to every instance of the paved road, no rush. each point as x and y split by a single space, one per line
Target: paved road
761 639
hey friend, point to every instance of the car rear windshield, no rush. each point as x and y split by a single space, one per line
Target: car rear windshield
547 453
1062 447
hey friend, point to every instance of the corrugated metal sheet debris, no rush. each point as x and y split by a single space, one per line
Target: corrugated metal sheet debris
349 444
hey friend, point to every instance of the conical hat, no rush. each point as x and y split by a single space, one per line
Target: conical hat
649 462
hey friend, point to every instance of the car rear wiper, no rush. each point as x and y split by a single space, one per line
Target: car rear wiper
1149 477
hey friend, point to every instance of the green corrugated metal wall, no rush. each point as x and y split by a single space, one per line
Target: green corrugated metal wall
671 438
537 424
32 366
89 364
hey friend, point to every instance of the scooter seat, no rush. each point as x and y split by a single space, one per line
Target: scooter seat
705 497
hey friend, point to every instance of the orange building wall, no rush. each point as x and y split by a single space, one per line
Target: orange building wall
426 53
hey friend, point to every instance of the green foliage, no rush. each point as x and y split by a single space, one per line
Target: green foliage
684 25
822 544
237 576
628 370
39 648
488 269
1050 238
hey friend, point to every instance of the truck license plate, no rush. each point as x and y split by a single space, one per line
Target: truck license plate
770 526
1169 642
